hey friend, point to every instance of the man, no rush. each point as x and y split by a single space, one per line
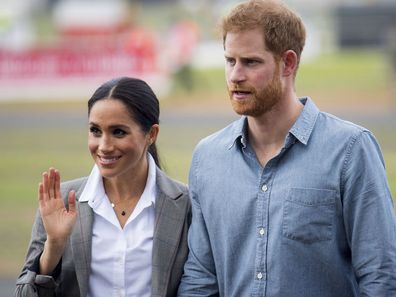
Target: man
288 201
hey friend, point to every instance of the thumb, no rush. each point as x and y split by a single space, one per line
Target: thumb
72 201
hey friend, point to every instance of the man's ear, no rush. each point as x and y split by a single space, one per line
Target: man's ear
290 62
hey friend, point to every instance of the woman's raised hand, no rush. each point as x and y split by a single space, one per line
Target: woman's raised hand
58 221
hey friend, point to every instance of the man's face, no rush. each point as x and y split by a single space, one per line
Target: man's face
252 73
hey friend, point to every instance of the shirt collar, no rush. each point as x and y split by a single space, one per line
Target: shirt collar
94 189
150 190
301 129
305 123
94 186
238 133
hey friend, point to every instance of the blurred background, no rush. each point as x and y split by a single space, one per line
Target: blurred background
55 53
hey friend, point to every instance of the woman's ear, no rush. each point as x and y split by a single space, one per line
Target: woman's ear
290 62
153 133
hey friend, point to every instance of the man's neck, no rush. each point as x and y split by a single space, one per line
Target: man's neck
267 133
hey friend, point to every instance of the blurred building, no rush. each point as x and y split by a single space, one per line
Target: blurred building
366 25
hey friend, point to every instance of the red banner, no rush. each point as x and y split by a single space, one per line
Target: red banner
66 63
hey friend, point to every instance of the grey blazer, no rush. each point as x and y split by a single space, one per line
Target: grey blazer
172 219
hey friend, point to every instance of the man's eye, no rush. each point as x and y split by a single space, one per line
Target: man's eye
230 61
251 62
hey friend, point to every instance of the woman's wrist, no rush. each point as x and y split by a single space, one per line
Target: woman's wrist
52 253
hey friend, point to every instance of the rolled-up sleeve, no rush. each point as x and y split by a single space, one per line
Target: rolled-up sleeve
30 283
369 217
33 284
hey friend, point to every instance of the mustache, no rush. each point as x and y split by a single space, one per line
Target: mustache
241 88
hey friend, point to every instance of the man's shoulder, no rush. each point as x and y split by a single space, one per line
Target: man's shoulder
326 124
222 138
338 126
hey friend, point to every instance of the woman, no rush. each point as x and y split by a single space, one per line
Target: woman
122 230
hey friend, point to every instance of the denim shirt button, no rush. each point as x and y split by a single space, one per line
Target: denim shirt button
262 231
264 188
259 275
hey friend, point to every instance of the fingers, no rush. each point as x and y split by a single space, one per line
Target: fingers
72 201
49 188
57 184
44 186
40 192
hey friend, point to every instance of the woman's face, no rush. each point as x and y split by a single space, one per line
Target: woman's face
117 143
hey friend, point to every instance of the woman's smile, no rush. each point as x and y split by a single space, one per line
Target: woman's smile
108 160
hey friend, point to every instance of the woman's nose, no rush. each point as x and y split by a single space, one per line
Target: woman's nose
106 144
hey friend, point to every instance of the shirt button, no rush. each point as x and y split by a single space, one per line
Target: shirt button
259 275
264 188
262 231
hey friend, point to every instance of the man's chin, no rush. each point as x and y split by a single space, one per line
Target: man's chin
249 110
243 109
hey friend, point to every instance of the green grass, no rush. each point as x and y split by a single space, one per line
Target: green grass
349 70
24 155
341 71
390 161
348 78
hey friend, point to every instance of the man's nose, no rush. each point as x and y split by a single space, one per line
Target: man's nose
237 73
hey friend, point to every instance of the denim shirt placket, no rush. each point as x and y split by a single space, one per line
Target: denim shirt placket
266 178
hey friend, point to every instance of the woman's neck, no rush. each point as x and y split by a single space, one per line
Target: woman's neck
127 186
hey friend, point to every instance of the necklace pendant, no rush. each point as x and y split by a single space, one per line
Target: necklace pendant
123 213
112 205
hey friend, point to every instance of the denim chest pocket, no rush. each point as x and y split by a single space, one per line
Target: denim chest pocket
308 215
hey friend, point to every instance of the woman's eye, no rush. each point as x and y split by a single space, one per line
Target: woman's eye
119 133
95 131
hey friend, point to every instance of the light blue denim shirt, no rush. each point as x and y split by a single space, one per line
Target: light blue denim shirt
316 221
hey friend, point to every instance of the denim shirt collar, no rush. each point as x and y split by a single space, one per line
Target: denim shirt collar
301 129
305 123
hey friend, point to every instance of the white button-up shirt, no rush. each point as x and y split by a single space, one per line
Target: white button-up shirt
121 258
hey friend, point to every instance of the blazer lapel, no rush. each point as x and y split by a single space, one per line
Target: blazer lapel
170 216
169 221
81 241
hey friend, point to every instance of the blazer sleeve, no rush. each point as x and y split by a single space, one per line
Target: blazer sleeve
29 283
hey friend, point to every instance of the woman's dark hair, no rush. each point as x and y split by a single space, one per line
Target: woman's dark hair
139 99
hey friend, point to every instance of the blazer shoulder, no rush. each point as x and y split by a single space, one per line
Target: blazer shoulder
171 187
76 185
